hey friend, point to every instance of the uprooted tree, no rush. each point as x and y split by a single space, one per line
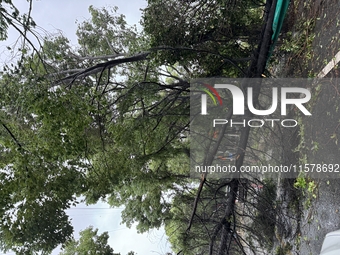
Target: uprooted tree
110 120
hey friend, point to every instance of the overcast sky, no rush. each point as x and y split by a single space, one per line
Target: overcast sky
63 15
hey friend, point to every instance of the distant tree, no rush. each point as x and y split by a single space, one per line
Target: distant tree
89 243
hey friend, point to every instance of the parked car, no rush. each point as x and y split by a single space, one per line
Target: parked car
331 244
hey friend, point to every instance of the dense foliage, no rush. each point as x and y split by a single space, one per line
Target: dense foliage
110 120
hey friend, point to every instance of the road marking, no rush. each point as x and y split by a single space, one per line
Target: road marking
329 66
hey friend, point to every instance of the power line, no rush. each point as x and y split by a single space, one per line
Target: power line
115 230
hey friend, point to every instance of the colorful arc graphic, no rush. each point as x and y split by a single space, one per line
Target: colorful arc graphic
213 90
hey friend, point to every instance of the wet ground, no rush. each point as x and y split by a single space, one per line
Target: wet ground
322 133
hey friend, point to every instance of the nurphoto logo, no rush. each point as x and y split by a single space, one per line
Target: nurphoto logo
238 99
